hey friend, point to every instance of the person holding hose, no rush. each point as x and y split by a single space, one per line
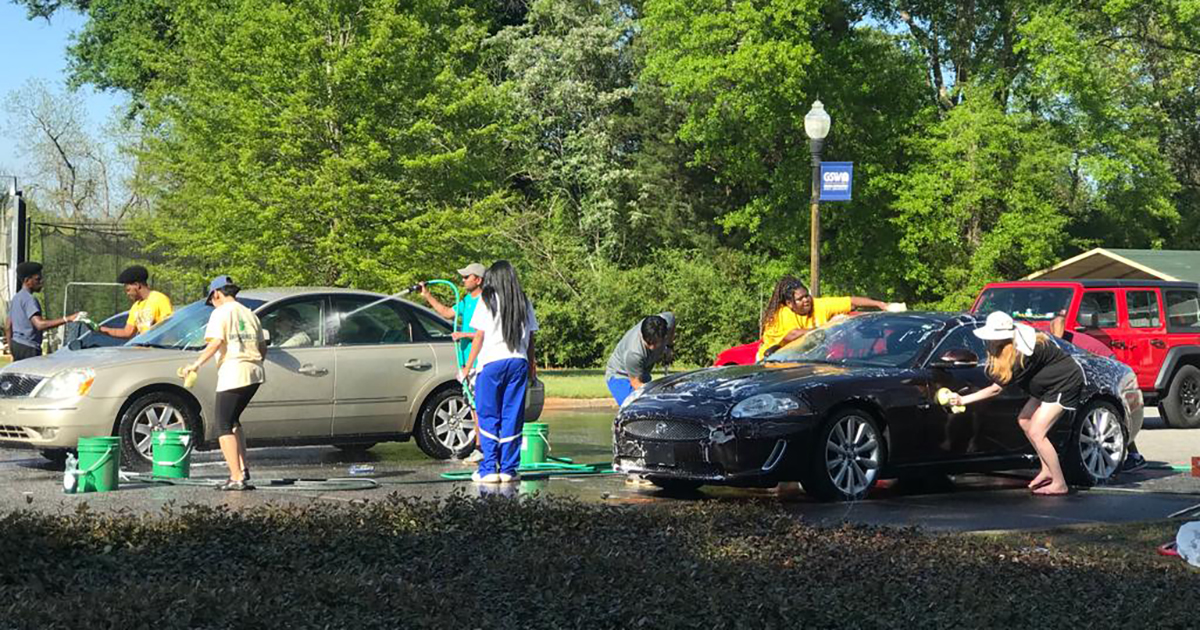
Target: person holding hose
793 311
503 345
464 309
24 326
235 335
149 307
1019 355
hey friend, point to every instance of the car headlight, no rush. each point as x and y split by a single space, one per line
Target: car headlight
68 384
770 406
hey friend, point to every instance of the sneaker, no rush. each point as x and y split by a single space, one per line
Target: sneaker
475 457
235 486
488 478
1133 462
510 477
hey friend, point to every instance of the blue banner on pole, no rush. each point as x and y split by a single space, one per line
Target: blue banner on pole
837 180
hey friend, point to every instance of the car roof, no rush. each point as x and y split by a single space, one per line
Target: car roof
928 316
270 294
1092 283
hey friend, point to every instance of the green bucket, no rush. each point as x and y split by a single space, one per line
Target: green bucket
535 442
172 454
99 463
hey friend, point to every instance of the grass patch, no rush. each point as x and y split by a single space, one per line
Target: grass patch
498 562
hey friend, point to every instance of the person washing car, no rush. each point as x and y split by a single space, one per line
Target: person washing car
792 311
235 336
639 350
24 326
464 309
149 307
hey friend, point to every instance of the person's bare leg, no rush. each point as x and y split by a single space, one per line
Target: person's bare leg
1043 420
233 459
1025 421
241 452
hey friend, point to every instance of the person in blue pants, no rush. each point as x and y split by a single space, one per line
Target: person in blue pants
503 353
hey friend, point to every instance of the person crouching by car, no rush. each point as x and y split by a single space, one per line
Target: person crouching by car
503 351
235 335
149 307
1018 354
24 326
642 347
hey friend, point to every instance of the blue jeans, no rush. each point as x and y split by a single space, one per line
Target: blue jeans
500 408
620 388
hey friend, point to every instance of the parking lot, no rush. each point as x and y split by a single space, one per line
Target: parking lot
961 503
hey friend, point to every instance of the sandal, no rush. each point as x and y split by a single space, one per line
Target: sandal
234 485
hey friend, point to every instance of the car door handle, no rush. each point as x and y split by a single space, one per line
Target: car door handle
417 364
312 370
1158 343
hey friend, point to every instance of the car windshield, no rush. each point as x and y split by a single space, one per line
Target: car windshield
184 330
1029 303
878 340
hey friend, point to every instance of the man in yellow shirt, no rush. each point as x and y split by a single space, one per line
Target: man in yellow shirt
793 311
149 307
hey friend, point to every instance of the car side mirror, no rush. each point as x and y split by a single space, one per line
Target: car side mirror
1087 320
955 359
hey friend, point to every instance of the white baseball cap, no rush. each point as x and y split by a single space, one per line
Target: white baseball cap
1000 326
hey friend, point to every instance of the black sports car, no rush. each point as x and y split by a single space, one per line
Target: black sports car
856 401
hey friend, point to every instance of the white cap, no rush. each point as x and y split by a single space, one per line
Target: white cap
1000 326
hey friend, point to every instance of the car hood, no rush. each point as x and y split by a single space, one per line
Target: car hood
737 382
98 359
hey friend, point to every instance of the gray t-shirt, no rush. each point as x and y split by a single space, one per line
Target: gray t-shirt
22 309
632 358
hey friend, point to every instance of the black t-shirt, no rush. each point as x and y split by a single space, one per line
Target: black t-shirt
1048 370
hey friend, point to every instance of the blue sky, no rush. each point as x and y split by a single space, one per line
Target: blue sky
37 49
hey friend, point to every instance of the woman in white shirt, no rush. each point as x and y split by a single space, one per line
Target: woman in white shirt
503 345
235 335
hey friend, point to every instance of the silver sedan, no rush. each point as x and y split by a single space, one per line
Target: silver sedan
344 367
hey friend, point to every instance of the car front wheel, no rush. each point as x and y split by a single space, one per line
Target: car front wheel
1098 445
1182 402
447 425
847 456
156 411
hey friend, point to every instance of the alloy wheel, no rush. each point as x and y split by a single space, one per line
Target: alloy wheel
155 417
1189 396
852 454
1101 443
454 423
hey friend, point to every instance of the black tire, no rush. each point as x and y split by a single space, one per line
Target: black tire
1182 403
676 485
829 475
446 428
355 448
57 456
1098 446
172 412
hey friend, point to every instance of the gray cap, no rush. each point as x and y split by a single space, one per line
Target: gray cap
473 269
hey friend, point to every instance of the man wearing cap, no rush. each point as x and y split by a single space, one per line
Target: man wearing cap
639 350
461 313
149 307
235 335
25 325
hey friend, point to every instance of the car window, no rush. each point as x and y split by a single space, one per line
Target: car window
1103 304
963 338
364 320
1183 309
1143 309
1029 303
184 330
435 328
296 324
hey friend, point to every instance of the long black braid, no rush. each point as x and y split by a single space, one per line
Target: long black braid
500 286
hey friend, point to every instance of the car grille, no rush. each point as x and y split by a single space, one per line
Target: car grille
665 430
18 385
11 432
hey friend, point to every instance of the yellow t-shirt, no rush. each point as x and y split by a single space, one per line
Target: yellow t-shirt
786 320
144 314
239 363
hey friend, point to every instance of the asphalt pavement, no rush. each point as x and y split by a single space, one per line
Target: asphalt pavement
959 503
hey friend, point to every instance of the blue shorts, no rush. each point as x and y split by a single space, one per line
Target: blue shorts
620 388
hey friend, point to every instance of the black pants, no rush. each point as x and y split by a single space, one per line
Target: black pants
230 405
21 351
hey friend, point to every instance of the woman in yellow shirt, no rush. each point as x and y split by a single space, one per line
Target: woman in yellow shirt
793 311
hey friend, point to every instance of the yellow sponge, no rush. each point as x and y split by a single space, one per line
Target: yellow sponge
189 378
944 396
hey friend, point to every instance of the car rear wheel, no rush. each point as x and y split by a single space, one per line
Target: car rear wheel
156 411
1182 403
447 425
847 456
1098 445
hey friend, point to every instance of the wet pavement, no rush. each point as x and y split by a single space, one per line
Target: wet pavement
961 503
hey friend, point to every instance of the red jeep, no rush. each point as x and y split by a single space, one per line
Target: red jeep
1153 326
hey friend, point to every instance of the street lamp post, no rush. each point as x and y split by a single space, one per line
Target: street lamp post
816 127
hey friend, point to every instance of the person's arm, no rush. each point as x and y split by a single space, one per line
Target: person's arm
213 346
858 302
42 324
476 344
983 394
1058 326
532 359
462 335
128 332
436 304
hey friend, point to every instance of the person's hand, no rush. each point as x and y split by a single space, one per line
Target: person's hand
463 375
461 335
424 289
75 317
956 400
